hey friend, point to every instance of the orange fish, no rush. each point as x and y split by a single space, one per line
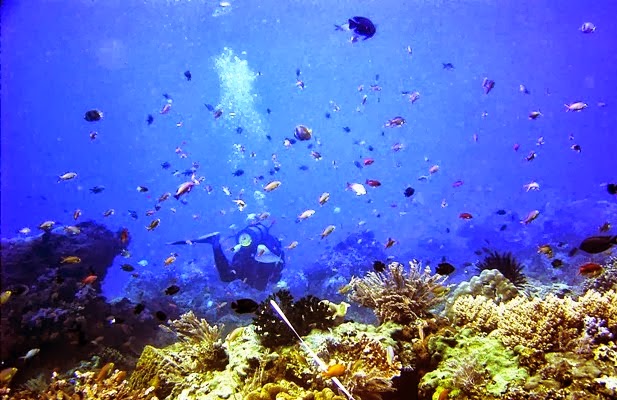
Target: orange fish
465 215
373 182
90 279
124 236
334 371
390 242
76 214
590 269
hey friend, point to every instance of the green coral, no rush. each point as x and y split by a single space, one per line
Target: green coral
472 365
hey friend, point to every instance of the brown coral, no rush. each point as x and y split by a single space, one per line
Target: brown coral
398 296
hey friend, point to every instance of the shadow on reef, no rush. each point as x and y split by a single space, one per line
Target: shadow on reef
55 305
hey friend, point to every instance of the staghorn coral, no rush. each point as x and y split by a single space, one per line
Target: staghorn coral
549 324
398 296
505 263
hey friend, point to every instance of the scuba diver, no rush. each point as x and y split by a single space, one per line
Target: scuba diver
258 257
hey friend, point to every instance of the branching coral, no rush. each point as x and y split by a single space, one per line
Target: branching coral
397 296
549 324
505 263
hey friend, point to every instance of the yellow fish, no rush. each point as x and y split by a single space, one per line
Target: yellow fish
153 224
5 296
329 229
70 260
272 185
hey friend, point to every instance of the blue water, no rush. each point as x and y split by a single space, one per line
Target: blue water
60 59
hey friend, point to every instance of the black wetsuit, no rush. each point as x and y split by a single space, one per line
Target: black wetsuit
245 267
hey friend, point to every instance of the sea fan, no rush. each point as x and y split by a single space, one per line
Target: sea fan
506 264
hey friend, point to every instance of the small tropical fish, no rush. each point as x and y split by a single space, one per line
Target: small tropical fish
444 268
590 269
142 189
124 235
184 188
70 260
395 122
109 212
292 245
576 106
409 191
535 114
327 231
605 227
67 177
93 115
170 260
272 186
266 256
373 183
76 214
127 268
171 290
47 226
487 85
31 353
5 296
546 250
587 27
323 199
90 279
334 370
465 215
244 306
532 215
357 188
153 224
7 374
306 214
390 242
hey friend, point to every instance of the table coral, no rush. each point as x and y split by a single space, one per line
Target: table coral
397 296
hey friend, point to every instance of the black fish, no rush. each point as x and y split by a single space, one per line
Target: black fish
239 130
244 306
370 148
138 308
150 119
209 107
503 227
133 214
268 111
444 268
93 115
358 164
238 172
597 244
556 263
379 266
362 26
173 289
161 316
409 191
611 188
187 75
165 165
303 167
500 212
327 115
97 189
127 268
347 129
448 66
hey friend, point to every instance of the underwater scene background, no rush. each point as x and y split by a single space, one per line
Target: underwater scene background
308 199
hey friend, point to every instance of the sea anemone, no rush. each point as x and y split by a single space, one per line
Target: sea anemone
506 264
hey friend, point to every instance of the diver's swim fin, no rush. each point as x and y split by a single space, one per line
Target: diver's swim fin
210 238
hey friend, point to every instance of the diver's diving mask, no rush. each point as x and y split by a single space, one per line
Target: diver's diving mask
253 233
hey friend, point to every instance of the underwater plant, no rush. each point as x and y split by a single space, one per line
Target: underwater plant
505 263
397 296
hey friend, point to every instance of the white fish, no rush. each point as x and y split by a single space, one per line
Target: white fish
143 263
264 255
357 188
30 354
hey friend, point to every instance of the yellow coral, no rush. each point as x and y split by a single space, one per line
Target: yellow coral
545 324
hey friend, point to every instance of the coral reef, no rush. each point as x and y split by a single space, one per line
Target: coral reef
490 284
397 296
305 314
472 365
505 263
549 324
51 309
